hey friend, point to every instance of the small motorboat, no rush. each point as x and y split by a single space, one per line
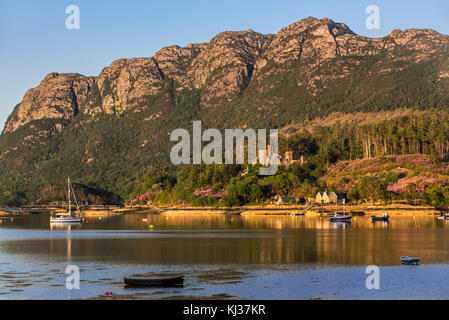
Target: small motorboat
409 260
384 217
147 282
444 215
337 217
297 214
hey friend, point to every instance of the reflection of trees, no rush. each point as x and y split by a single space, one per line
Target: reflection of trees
220 239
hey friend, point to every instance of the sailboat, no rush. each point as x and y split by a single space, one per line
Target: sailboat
68 216
337 217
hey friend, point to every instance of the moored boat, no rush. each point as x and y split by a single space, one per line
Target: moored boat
146 282
409 260
340 218
65 218
384 217
69 216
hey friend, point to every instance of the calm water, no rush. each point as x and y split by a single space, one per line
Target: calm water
259 257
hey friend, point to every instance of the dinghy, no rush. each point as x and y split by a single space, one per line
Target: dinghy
384 217
146 282
409 260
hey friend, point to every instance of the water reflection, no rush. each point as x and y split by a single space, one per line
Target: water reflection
221 239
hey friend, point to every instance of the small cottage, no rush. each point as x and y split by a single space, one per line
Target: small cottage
329 197
286 200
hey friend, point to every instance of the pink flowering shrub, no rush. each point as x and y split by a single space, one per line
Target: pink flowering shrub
148 196
417 170
421 183
207 192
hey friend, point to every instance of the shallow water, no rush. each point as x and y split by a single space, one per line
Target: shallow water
249 257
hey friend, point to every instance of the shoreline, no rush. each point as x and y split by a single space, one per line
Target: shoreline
322 209
393 210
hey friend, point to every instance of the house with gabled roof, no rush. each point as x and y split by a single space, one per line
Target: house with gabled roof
329 197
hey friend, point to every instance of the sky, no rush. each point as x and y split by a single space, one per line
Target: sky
34 40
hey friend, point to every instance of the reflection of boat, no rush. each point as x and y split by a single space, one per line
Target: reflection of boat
409 260
145 282
384 217
340 224
68 216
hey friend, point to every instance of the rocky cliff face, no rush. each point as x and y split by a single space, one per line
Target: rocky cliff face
57 96
225 66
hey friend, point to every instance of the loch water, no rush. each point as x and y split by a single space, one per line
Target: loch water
224 256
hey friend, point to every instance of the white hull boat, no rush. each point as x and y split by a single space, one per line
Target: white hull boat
64 218
67 217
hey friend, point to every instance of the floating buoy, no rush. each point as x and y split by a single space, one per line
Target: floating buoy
150 226
107 292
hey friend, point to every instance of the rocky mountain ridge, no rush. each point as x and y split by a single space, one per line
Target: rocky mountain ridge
226 66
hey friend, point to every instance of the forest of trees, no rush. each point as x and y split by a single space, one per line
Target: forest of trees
230 185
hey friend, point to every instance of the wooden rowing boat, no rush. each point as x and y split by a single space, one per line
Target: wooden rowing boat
145 282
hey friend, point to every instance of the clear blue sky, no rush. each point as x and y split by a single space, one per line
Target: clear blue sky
34 40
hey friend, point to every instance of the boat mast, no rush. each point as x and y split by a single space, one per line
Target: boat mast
76 201
68 188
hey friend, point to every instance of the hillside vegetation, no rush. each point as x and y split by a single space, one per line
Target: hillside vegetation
106 131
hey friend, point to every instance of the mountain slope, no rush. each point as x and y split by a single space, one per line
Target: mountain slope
104 130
